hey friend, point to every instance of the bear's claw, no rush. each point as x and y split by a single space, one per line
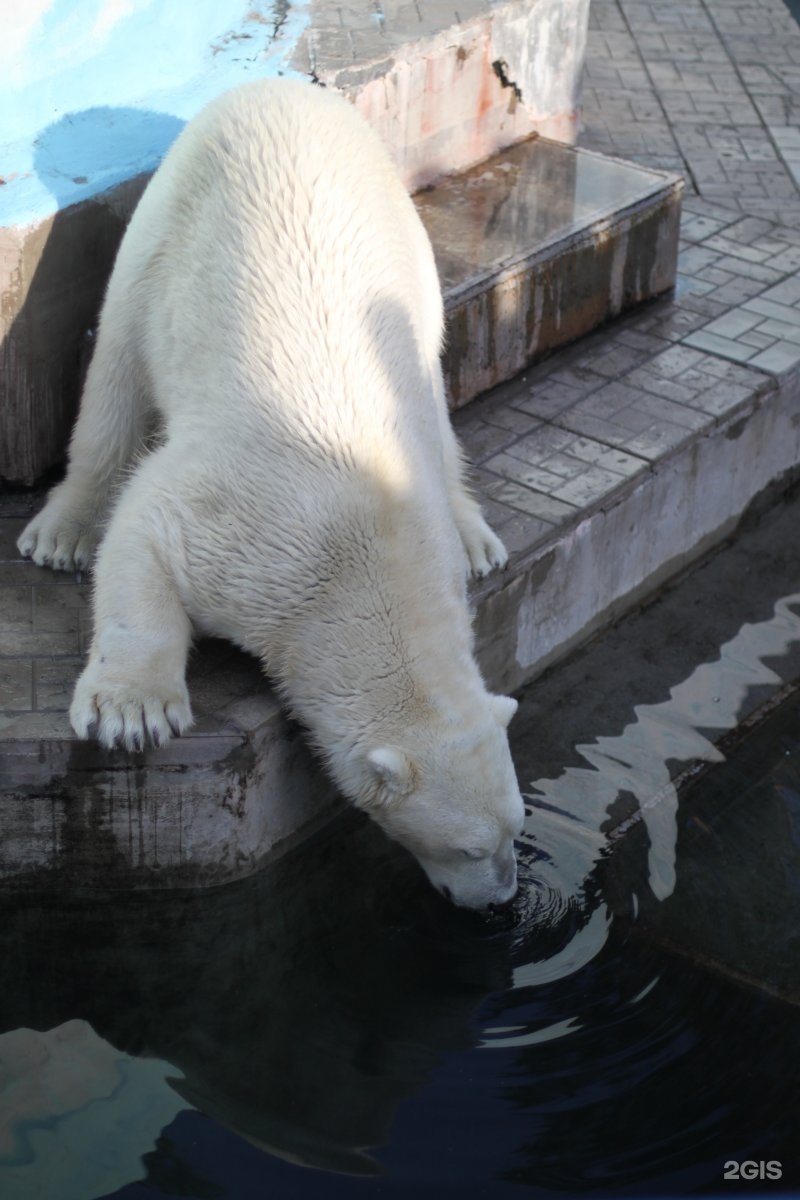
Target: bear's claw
59 537
126 716
485 552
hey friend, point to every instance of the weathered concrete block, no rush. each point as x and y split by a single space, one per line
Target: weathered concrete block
202 810
53 276
539 245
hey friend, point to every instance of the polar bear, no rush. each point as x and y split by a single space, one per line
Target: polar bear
275 313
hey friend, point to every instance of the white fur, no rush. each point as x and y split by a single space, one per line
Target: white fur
275 308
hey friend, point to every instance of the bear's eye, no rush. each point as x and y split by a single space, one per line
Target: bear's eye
474 854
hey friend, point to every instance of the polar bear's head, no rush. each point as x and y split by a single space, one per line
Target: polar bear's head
453 801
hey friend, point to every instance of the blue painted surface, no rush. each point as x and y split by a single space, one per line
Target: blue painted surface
93 92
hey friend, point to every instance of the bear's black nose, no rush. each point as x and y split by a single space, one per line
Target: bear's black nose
502 905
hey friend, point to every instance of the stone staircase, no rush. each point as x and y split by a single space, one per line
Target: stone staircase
537 244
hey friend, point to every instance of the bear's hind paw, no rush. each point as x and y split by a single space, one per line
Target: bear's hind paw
485 552
58 538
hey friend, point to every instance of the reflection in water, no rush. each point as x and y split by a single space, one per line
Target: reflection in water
299 1020
570 814
335 1012
76 1116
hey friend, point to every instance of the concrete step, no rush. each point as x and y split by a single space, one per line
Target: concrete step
539 245
606 469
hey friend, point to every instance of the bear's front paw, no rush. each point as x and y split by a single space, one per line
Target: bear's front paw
61 536
484 549
129 714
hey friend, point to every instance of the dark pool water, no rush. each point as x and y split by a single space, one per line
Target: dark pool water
331 1028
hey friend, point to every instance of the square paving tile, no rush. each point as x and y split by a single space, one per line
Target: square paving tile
763 332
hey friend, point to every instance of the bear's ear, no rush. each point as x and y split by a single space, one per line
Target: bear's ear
504 709
392 767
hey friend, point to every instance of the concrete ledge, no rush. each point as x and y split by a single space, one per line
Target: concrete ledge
606 469
212 806
610 555
203 810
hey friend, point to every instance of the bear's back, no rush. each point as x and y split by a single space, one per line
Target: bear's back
276 252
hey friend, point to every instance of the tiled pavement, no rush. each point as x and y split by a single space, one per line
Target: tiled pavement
44 625
709 88
566 436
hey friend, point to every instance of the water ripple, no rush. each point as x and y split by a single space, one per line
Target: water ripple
567 815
